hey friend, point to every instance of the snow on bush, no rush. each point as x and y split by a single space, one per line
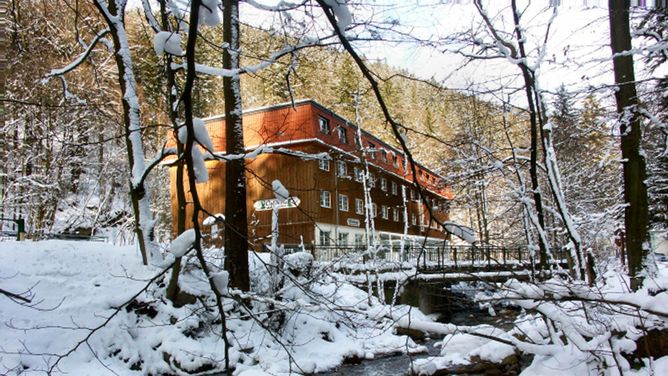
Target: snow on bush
567 326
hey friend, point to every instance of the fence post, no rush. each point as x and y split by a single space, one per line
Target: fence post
21 230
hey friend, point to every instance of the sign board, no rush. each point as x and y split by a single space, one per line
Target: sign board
268 204
353 222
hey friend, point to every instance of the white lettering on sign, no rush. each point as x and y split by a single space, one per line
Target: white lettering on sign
291 202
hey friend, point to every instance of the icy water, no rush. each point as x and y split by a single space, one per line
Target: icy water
385 366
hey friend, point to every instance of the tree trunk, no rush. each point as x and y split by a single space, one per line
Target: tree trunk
236 222
170 94
636 217
143 218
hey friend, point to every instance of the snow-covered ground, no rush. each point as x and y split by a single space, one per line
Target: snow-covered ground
75 287
78 320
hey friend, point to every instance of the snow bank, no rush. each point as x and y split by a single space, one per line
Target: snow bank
82 284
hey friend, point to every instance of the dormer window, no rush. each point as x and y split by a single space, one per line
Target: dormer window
343 136
372 150
383 155
324 125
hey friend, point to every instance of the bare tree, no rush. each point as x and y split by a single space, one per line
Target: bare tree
636 214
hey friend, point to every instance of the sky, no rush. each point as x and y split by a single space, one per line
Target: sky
576 53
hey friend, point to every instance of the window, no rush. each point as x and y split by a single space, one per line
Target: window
359 240
325 237
343 136
343 238
372 180
413 219
383 184
325 199
358 173
383 155
395 161
385 212
412 195
341 169
343 202
395 214
324 125
395 188
372 150
323 164
359 206
374 210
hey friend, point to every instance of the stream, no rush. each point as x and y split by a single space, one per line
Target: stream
453 308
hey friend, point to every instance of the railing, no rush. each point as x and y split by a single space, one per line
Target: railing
427 256
9 235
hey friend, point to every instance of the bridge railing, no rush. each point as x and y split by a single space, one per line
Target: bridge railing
422 256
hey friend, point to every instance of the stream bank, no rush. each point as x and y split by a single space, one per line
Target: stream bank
455 307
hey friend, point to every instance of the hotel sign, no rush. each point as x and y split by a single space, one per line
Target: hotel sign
269 204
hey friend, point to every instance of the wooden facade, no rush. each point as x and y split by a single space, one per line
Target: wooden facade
295 133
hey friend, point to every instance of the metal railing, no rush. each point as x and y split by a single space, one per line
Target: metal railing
422 256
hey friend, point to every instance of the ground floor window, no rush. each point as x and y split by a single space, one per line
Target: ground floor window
359 240
343 239
325 237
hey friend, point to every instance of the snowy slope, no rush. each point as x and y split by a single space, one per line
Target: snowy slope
76 285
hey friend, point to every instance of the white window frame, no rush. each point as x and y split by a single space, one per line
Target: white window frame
395 214
372 150
324 129
325 237
343 202
395 188
323 164
374 210
384 212
413 219
383 184
383 155
358 174
359 206
325 199
343 239
359 240
372 180
343 134
341 169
